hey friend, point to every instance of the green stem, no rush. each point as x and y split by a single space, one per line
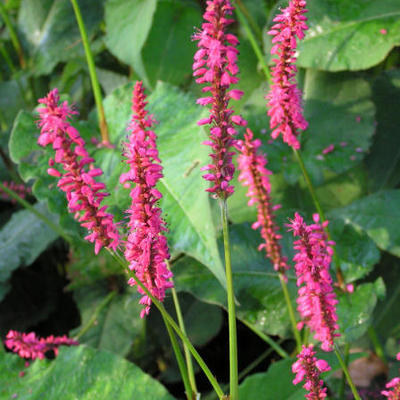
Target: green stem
233 362
377 344
188 357
174 326
267 339
256 48
13 35
95 315
346 361
181 361
291 312
32 209
346 372
339 273
242 8
93 75
7 58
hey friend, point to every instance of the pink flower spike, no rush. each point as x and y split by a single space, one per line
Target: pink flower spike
316 298
308 368
393 394
84 195
383 31
27 345
146 246
255 176
215 65
284 98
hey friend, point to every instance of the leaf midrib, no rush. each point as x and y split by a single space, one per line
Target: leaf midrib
345 25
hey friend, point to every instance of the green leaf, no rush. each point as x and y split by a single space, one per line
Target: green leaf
355 310
257 287
377 215
162 49
51 31
357 252
346 35
118 324
339 109
11 101
78 372
185 203
383 162
275 384
128 25
22 239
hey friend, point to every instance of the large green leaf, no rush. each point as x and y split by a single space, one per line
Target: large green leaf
51 31
355 310
23 238
78 373
346 35
117 325
377 215
185 204
383 162
339 109
257 287
162 48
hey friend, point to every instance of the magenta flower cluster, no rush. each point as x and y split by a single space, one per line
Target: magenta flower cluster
215 65
255 176
146 246
77 179
394 387
28 345
284 99
308 368
316 298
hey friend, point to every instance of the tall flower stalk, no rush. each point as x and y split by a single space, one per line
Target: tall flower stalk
285 98
77 175
215 65
255 176
146 246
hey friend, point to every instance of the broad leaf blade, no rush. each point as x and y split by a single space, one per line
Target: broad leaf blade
347 35
78 373
22 240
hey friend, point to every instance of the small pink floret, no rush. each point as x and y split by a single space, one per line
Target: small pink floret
328 149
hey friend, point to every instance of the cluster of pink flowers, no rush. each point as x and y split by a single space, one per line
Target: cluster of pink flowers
253 174
284 99
21 190
394 385
215 65
77 180
146 247
28 345
316 299
308 368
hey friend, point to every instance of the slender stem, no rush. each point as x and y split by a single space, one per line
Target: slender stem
180 360
233 362
267 339
188 357
346 361
377 344
13 35
93 75
346 372
291 312
32 209
253 41
7 58
339 273
174 326
95 315
242 8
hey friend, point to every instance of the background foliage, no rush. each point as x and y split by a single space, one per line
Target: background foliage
349 70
